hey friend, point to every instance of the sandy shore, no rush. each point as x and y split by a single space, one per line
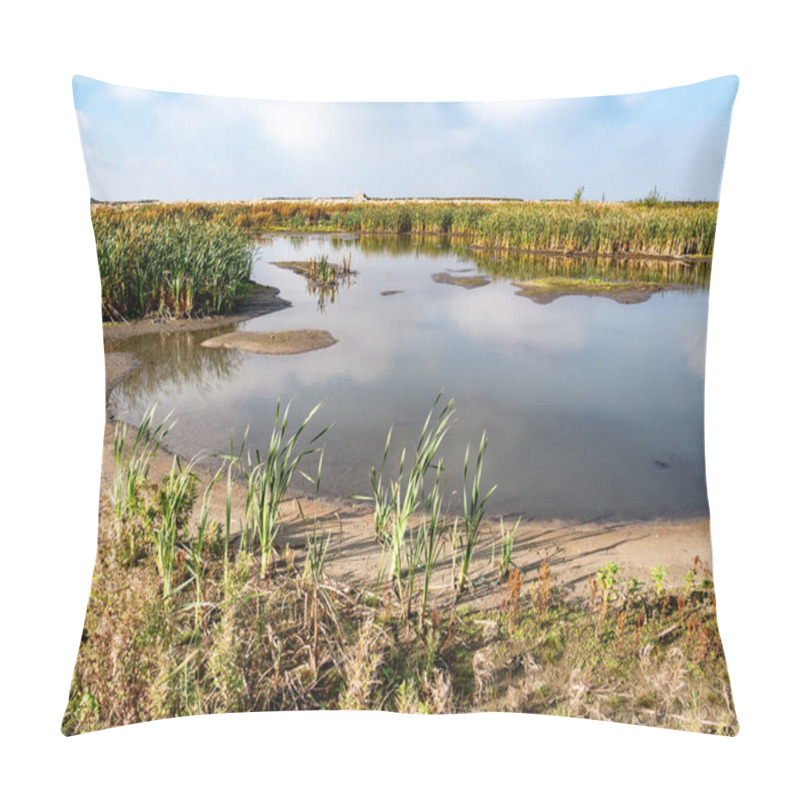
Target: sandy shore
574 548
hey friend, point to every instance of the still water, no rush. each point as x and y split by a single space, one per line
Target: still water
591 407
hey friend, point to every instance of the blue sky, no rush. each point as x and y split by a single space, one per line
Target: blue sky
160 145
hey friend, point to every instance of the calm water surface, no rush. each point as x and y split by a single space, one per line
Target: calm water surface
591 407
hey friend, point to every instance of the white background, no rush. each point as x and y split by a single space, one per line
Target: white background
53 384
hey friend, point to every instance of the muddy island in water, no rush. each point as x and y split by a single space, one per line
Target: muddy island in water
278 343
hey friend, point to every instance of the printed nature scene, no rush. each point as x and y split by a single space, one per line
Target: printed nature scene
424 453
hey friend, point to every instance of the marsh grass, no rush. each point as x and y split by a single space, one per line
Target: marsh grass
132 467
643 227
474 509
507 536
170 264
222 639
176 497
269 476
133 528
397 501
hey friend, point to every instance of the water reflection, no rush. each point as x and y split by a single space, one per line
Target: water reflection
524 266
591 407
176 362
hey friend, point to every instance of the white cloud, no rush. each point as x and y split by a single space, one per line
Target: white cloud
514 324
298 126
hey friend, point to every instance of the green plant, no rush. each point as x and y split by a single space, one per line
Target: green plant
169 264
473 506
430 536
131 469
507 546
658 574
316 543
405 495
176 497
268 479
382 499
689 581
607 582
633 590
196 548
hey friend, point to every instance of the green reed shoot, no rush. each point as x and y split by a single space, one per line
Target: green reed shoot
195 549
430 536
474 505
231 461
268 480
383 500
317 544
507 546
176 497
407 493
131 470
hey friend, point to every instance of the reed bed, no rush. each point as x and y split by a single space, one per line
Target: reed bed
653 228
172 265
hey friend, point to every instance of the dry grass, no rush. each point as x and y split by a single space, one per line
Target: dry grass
225 639
671 229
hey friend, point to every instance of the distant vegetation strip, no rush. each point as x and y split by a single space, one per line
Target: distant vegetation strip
647 227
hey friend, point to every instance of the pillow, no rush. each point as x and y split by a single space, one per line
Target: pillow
490 320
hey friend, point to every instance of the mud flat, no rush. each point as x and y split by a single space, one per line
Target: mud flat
545 290
464 281
277 343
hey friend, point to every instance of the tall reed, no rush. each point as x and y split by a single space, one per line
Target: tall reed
268 479
131 468
170 265
397 502
642 227
473 504
176 497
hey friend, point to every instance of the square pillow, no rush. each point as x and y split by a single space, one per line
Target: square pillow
404 407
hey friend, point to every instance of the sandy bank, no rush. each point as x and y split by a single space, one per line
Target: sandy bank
277 343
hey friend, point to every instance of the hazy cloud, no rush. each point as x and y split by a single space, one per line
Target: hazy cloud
170 146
